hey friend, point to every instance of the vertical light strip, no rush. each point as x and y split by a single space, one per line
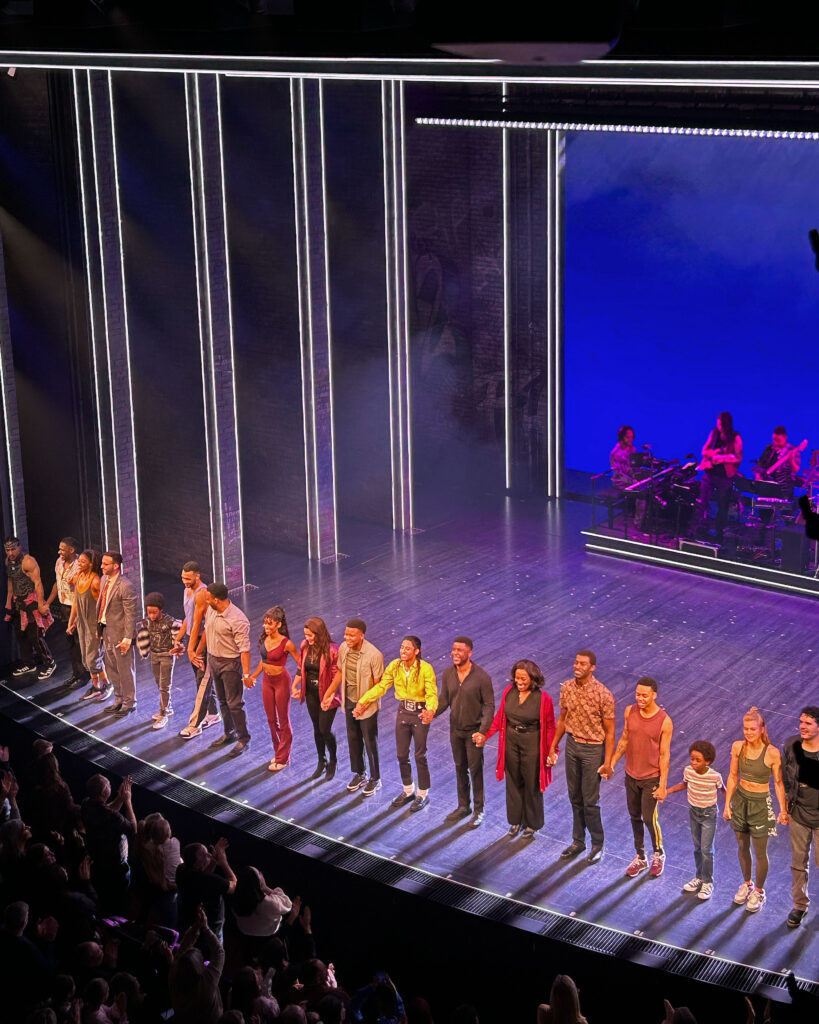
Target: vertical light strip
300 287
558 334
550 227
405 261
93 137
309 284
327 307
209 324
507 350
125 325
202 350
398 332
92 324
230 323
12 503
388 286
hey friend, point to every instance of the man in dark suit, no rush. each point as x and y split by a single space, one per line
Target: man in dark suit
116 617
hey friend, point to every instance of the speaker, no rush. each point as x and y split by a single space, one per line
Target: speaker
794 547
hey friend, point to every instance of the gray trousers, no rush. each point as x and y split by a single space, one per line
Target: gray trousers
162 667
801 837
121 670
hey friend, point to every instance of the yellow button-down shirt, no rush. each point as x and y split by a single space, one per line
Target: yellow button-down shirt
417 684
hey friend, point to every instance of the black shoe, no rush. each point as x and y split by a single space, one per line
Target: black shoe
356 782
370 787
528 833
331 770
456 815
796 917
513 831
240 748
319 771
402 799
573 850
122 712
113 709
419 803
223 741
476 820
595 854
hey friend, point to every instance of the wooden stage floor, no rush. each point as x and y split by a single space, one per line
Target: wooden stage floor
515 577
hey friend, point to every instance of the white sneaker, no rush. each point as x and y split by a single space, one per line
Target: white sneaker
693 886
756 901
706 891
743 893
210 720
190 731
160 722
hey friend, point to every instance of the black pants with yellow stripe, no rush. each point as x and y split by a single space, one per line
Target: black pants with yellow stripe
642 809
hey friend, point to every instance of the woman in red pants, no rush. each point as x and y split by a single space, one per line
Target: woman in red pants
318 661
275 646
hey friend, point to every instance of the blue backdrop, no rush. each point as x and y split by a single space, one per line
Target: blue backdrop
690 287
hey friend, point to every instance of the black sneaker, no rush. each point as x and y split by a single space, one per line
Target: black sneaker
370 787
796 917
356 782
47 670
23 670
92 693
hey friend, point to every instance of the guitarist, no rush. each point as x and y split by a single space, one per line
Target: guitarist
721 456
780 462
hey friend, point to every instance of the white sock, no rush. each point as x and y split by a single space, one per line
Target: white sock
409 790
422 792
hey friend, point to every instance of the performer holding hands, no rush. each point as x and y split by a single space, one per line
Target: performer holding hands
748 805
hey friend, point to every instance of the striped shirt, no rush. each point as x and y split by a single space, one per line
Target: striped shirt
702 789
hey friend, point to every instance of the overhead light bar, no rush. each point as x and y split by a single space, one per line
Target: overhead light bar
636 129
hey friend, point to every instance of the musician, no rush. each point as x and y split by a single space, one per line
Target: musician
779 462
721 456
622 457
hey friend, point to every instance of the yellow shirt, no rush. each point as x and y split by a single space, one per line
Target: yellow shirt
418 684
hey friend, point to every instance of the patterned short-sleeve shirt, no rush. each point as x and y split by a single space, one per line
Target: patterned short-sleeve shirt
587 706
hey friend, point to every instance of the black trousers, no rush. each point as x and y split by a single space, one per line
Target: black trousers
642 809
410 729
468 767
322 724
78 669
362 734
723 486
524 800
33 648
230 691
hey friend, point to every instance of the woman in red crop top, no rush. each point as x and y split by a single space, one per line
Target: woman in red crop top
275 646
318 662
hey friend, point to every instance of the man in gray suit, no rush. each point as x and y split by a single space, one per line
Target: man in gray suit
116 618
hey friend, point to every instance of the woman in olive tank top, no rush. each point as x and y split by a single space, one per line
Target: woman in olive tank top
754 760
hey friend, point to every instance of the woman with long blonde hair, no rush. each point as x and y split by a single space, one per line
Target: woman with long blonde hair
748 805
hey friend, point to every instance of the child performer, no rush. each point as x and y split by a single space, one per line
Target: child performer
702 784
156 635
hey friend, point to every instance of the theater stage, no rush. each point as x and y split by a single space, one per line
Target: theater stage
514 575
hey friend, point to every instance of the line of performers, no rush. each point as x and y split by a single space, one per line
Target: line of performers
99 610
779 465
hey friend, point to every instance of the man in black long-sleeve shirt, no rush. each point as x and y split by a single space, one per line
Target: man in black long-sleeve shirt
466 690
